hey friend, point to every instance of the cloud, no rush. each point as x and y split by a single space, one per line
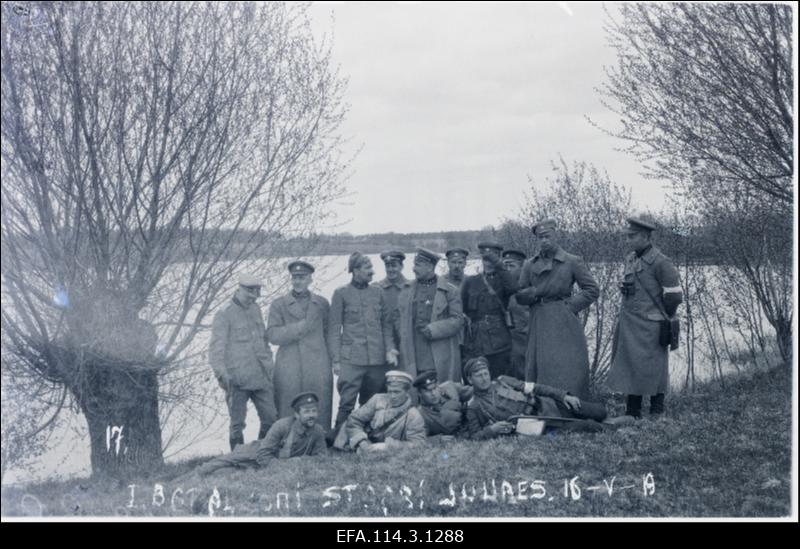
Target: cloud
456 105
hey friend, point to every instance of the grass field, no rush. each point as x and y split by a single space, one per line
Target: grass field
716 453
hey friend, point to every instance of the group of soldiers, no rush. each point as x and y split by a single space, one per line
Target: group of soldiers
439 356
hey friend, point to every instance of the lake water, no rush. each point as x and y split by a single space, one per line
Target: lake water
206 433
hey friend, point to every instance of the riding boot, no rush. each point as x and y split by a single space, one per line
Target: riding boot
634 406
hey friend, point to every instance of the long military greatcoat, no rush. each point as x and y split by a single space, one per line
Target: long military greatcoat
446 324
639 364
302 361
557 354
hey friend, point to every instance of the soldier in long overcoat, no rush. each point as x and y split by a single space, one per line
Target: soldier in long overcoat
651 295
430 321
557 354
298 324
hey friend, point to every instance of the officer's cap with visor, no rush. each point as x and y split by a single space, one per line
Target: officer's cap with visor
398 378
304 399
474 365
426 256
426 380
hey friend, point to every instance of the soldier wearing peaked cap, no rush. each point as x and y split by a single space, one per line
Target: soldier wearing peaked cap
391 286
387 420
359 335
304 398
456 262
296 435
484 247
651 293
520 315
495 402
242 360
441 404
429 322
485 299
300 268
557 354
297 324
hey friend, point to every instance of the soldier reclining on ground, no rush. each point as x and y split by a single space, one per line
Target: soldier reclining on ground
494 403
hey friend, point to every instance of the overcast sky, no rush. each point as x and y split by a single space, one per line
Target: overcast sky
455 104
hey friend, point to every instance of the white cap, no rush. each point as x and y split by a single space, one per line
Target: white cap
249 280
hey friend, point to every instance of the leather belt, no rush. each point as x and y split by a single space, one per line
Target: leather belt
539 300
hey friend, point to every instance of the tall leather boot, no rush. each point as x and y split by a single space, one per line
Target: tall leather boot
633 406
657 404
235 441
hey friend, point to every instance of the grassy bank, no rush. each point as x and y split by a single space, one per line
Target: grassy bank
717 452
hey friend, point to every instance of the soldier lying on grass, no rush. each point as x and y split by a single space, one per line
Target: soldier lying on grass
495 403
295 436
441 405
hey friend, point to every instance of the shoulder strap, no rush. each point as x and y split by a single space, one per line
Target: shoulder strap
493 292
286 448
658 305
483 409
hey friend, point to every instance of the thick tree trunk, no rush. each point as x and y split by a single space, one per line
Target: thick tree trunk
121 409
783 331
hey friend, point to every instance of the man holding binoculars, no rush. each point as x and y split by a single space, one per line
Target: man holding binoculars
646 329
485 300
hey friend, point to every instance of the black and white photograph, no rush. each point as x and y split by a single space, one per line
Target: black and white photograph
444 263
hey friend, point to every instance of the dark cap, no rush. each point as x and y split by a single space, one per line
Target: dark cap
475 364
457 252
514 254
640 224
300 267
392 255
483 247
425 380
426 255
304 398
355 261
544 225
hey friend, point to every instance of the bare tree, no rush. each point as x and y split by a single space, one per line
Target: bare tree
704 93
590 210
708 86
150 151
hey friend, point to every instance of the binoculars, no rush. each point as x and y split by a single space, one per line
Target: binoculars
627 288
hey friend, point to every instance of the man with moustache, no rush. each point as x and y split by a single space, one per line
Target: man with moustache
485 298
429 322
520 314
297 435
456 263
298 324
242 361
359 334
557 354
